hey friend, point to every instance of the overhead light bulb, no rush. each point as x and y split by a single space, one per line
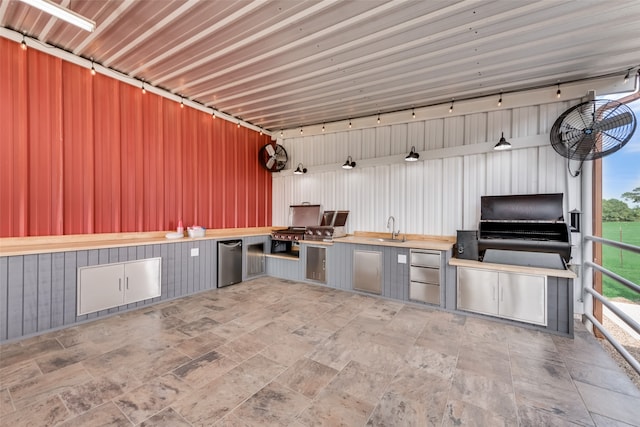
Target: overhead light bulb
558 92
213 114
412 156
413 113
238 125
23 44
143 89
93 69
323 127
378 118
503 144
62 13
260 131
301 132
500 100
451 107
281 133
181 102
349 123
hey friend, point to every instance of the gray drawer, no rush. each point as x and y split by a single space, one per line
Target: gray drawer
424 292
425 275
425 259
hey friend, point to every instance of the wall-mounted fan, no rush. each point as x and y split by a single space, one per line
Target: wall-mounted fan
592 130
273 159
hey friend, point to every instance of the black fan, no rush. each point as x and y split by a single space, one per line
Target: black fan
592 130
273 159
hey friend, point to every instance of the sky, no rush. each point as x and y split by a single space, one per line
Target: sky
621 170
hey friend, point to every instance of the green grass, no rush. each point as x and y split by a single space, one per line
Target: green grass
627 267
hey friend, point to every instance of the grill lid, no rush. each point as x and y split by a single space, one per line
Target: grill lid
302 216
523 207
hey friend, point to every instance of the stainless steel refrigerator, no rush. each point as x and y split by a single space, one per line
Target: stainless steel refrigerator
229 262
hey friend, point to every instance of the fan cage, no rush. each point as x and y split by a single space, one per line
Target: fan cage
593 129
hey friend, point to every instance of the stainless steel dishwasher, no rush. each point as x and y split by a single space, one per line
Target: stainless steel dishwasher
229 262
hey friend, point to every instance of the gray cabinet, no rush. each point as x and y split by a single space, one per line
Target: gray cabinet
367 271
106 286
316 264
515 296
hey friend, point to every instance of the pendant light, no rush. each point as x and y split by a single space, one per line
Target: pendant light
503 144
300 169
412 156
349 164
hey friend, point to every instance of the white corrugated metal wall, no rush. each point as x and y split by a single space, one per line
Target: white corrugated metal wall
436 195
441 192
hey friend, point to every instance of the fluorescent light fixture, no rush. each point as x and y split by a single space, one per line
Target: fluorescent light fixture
62 13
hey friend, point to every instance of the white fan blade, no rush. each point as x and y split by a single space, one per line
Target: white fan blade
610 123
270 150
271 161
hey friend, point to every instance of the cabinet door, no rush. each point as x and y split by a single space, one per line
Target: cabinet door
523 297
142 280
316 264
367 271
478 290
255 259
100 288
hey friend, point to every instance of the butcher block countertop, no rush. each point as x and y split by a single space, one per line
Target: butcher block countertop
10 246
413 241
457 262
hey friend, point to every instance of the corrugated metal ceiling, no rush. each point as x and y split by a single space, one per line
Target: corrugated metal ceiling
287 63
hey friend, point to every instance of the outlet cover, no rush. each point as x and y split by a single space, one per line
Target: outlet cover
402 259
195 251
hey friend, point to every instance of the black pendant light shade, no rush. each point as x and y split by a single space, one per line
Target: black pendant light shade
412 156
503 144
349 164
300 169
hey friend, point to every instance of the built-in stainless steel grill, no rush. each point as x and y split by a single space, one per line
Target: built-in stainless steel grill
300 217
531 223
333 225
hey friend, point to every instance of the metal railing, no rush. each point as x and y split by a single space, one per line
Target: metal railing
615 310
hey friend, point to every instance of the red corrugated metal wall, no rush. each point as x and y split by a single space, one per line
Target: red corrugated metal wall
89 154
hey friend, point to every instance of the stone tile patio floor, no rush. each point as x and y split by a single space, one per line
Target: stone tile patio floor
274 352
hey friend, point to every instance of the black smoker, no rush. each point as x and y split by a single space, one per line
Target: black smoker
522 230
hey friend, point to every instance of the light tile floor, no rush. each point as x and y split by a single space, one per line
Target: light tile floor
274 352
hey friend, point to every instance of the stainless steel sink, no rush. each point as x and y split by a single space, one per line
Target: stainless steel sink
376 239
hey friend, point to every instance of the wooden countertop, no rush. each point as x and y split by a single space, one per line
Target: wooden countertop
413 241
457 262
10 246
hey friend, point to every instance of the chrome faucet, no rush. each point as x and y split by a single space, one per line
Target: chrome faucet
391 223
